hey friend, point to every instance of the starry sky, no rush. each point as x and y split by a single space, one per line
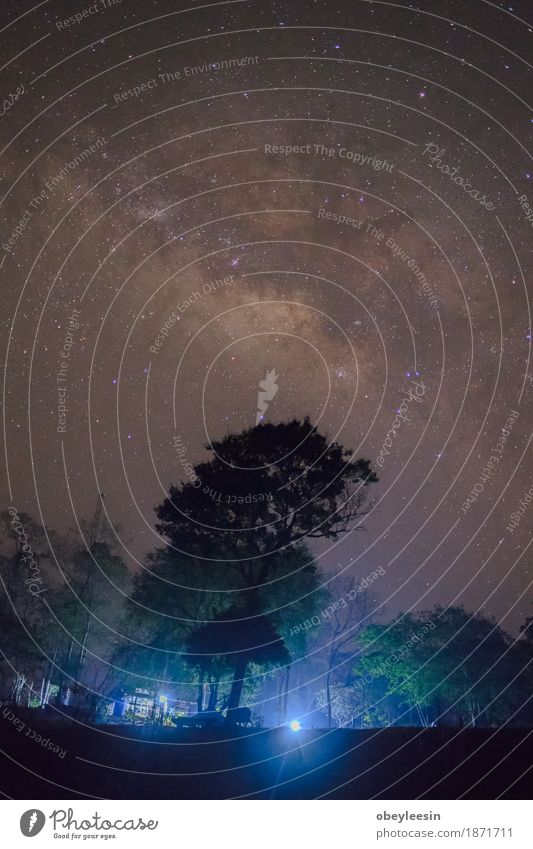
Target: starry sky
197 194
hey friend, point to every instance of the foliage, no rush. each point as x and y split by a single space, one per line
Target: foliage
236 534
59 638
448 665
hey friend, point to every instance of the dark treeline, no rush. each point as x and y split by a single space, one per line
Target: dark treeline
232 608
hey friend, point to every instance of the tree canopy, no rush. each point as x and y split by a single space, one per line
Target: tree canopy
237 533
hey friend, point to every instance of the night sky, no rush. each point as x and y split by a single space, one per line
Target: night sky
196 196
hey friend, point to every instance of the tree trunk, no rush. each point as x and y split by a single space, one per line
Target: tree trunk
213 695
422 715
280 701
285 695
17 689
43 688
238 681
63 686
83 649
92 702
328 695
201 693
47 680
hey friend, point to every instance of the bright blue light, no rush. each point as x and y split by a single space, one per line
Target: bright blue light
294 725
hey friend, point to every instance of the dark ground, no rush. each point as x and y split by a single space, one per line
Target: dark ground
393 763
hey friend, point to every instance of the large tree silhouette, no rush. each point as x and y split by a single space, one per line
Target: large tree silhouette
266 488
238 528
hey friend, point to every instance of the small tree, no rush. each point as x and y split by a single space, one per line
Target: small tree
88 598
342 702
349 611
